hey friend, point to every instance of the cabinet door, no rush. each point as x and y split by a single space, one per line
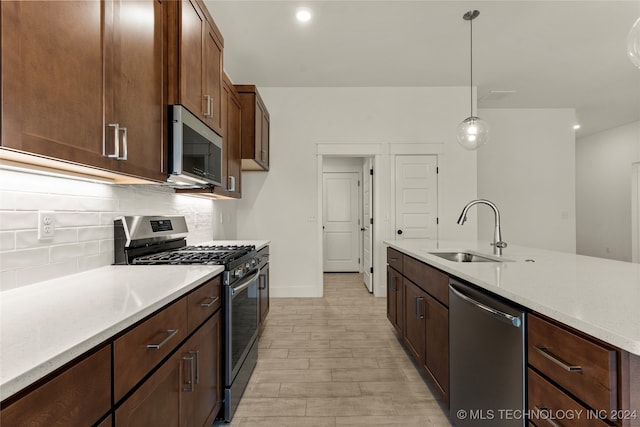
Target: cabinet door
437 344
231 116
202 354
393 279
233 135
414 319
52 80
192 24
263 289
79 396
264 137
159 401
134 82
212 76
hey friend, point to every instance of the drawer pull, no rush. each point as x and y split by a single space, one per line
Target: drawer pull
209 303
546 353
170 334
548 419
393 259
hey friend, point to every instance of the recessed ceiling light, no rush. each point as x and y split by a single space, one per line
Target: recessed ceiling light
303 15
576 127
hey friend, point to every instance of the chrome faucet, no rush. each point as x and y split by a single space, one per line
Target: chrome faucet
497 244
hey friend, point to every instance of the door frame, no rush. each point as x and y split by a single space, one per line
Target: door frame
375 151
635 212
381 152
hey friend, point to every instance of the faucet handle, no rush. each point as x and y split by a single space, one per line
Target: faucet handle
500 245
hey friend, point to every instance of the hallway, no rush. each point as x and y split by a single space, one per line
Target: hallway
335 361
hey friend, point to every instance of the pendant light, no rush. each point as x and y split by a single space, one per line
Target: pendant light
473 131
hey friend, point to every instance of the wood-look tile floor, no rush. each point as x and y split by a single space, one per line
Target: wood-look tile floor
335 361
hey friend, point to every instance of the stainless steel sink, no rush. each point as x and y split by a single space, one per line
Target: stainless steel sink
464 257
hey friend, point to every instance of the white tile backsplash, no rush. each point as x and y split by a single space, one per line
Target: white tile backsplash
84 214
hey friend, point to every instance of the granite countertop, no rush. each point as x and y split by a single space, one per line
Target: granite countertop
597 296
47 324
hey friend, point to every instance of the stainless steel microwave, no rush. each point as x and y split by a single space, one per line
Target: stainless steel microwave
195 154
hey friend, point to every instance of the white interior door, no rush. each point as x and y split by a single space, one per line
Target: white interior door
416 197
341 225
367 209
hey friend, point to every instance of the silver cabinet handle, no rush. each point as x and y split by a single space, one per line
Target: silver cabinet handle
212 300
515 321
116 142
547 419
232 183
124 144
190 383
207 110
546 353
418 305
393 259
196 354
170 334
392 279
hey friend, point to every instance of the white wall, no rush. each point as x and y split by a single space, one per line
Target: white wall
84 222
282 205
528 170
603 195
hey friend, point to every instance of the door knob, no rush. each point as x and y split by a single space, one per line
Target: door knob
399 231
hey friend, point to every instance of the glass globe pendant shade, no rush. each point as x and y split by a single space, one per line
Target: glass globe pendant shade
473 132
633 44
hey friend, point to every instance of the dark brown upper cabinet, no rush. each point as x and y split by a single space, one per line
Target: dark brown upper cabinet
255 129
84 82
195 61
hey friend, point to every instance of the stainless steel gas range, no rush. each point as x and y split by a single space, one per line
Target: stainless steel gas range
161 240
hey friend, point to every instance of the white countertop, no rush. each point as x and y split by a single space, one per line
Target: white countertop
597 296
47 324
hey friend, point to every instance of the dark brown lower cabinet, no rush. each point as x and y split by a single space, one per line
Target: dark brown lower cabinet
78 396
419 313
414 320
394 298
436 355
159 401
204 398
263 289
186 390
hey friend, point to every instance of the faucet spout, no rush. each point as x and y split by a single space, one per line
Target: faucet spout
497 244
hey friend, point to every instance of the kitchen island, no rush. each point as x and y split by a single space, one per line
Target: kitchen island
579 309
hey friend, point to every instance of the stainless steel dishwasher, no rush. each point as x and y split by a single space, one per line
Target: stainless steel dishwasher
486 359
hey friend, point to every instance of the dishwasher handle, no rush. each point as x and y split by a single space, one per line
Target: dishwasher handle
501 315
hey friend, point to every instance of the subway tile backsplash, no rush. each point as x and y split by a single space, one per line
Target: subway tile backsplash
84 214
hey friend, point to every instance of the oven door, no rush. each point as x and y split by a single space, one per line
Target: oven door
241 323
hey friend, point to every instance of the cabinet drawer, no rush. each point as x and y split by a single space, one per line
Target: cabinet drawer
138 351
582 367
78 396
394 259
549 406
428 278
203 302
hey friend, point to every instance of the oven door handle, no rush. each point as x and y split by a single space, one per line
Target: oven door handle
245 283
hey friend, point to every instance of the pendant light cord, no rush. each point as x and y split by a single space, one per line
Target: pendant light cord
471 66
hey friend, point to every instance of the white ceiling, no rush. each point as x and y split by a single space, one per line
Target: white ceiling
554 54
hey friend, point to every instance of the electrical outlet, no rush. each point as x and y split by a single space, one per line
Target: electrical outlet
46 225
